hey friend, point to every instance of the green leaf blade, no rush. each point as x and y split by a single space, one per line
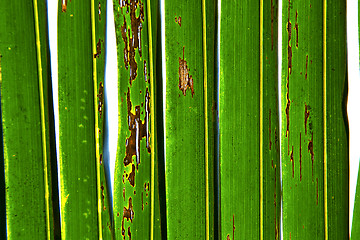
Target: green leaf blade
248 121
188 118
25 120
78 182
315 145
135 203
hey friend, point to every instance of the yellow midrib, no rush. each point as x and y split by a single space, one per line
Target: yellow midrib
324 116
261 121
152 123
207 221
42 113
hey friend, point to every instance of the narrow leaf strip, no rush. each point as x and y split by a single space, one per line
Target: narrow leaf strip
96 128
248 121
152 122
325 127
134 166
42 113
186 121
25 120
261 120
315 131
77 142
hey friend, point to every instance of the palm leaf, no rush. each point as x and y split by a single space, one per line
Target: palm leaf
314 121
189 118
25 105
248 121
84 201
135 180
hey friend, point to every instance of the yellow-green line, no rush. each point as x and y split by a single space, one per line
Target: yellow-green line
0 71
96 120
261 121
43 127
207 224
324 116
152 123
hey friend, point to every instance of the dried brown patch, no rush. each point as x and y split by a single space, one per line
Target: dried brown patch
311 150
131 177
178 20
64 5
99 11
185 79
297 29
145 72
100 96
98 49
128 213
233 226
103 196
292 160
138 129
289 57
132 41
101 158
307 114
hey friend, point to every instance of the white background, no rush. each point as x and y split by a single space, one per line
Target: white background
111 87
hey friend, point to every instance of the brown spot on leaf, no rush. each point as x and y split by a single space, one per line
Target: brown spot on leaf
289 57
228 237
276 139
124 37
124 193
99 11
185 79
131 177
292 160
128 213
297 29
233 226
145 72
64 5
98 49
101 158
289 47
132 41
101 99
287 111
178 20
129 233
103 196
307 114
311 150
275 212
138 129
142 201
